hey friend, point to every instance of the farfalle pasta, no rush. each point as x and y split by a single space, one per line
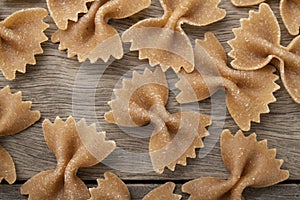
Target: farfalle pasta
16 116
142 101
21 35
164 192
163 41
255 46
289 11
110 188
64 10
246 99
91 37
250 163
65 140
113 188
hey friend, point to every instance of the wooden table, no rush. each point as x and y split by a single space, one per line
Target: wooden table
49 85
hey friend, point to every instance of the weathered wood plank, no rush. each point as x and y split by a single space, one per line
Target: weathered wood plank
50 84
138 191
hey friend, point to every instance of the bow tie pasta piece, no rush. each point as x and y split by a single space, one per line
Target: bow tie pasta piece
110 188
250 163
91 37
162 40
289 11
113 188
21 35
16 116
142 101
164 192
255 46
65 140
246 99
63 10
7 167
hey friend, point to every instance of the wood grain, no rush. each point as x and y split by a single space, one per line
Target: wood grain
50 86
138 191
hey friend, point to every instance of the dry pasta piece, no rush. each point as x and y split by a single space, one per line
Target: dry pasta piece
63 10
113 188
289 11
16 116
255 46
142 101
163 41
110 188
242 3
250 163
164 192
20 37
65 140
246 99
91 37
7 167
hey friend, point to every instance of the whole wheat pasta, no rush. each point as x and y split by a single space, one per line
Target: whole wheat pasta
250 163
166 37
21 35
163 192
64 139
110 188
289 11
64 10
16 116
246 99
142 101
91 37
256 46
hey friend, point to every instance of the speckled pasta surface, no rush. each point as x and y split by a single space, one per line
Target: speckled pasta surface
91 37
256 46
250 163
16 115
64 10
168 43
110 188
21 35
248 93
142 101
64 140
163 192
289 11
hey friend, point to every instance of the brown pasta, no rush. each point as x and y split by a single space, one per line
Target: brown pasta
64 139
110 188
16 116
113 188
164 192
63 10
250 163
20 37
289 11
167 36
91 37
242 3
7 167
255 46
142 101
246 99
